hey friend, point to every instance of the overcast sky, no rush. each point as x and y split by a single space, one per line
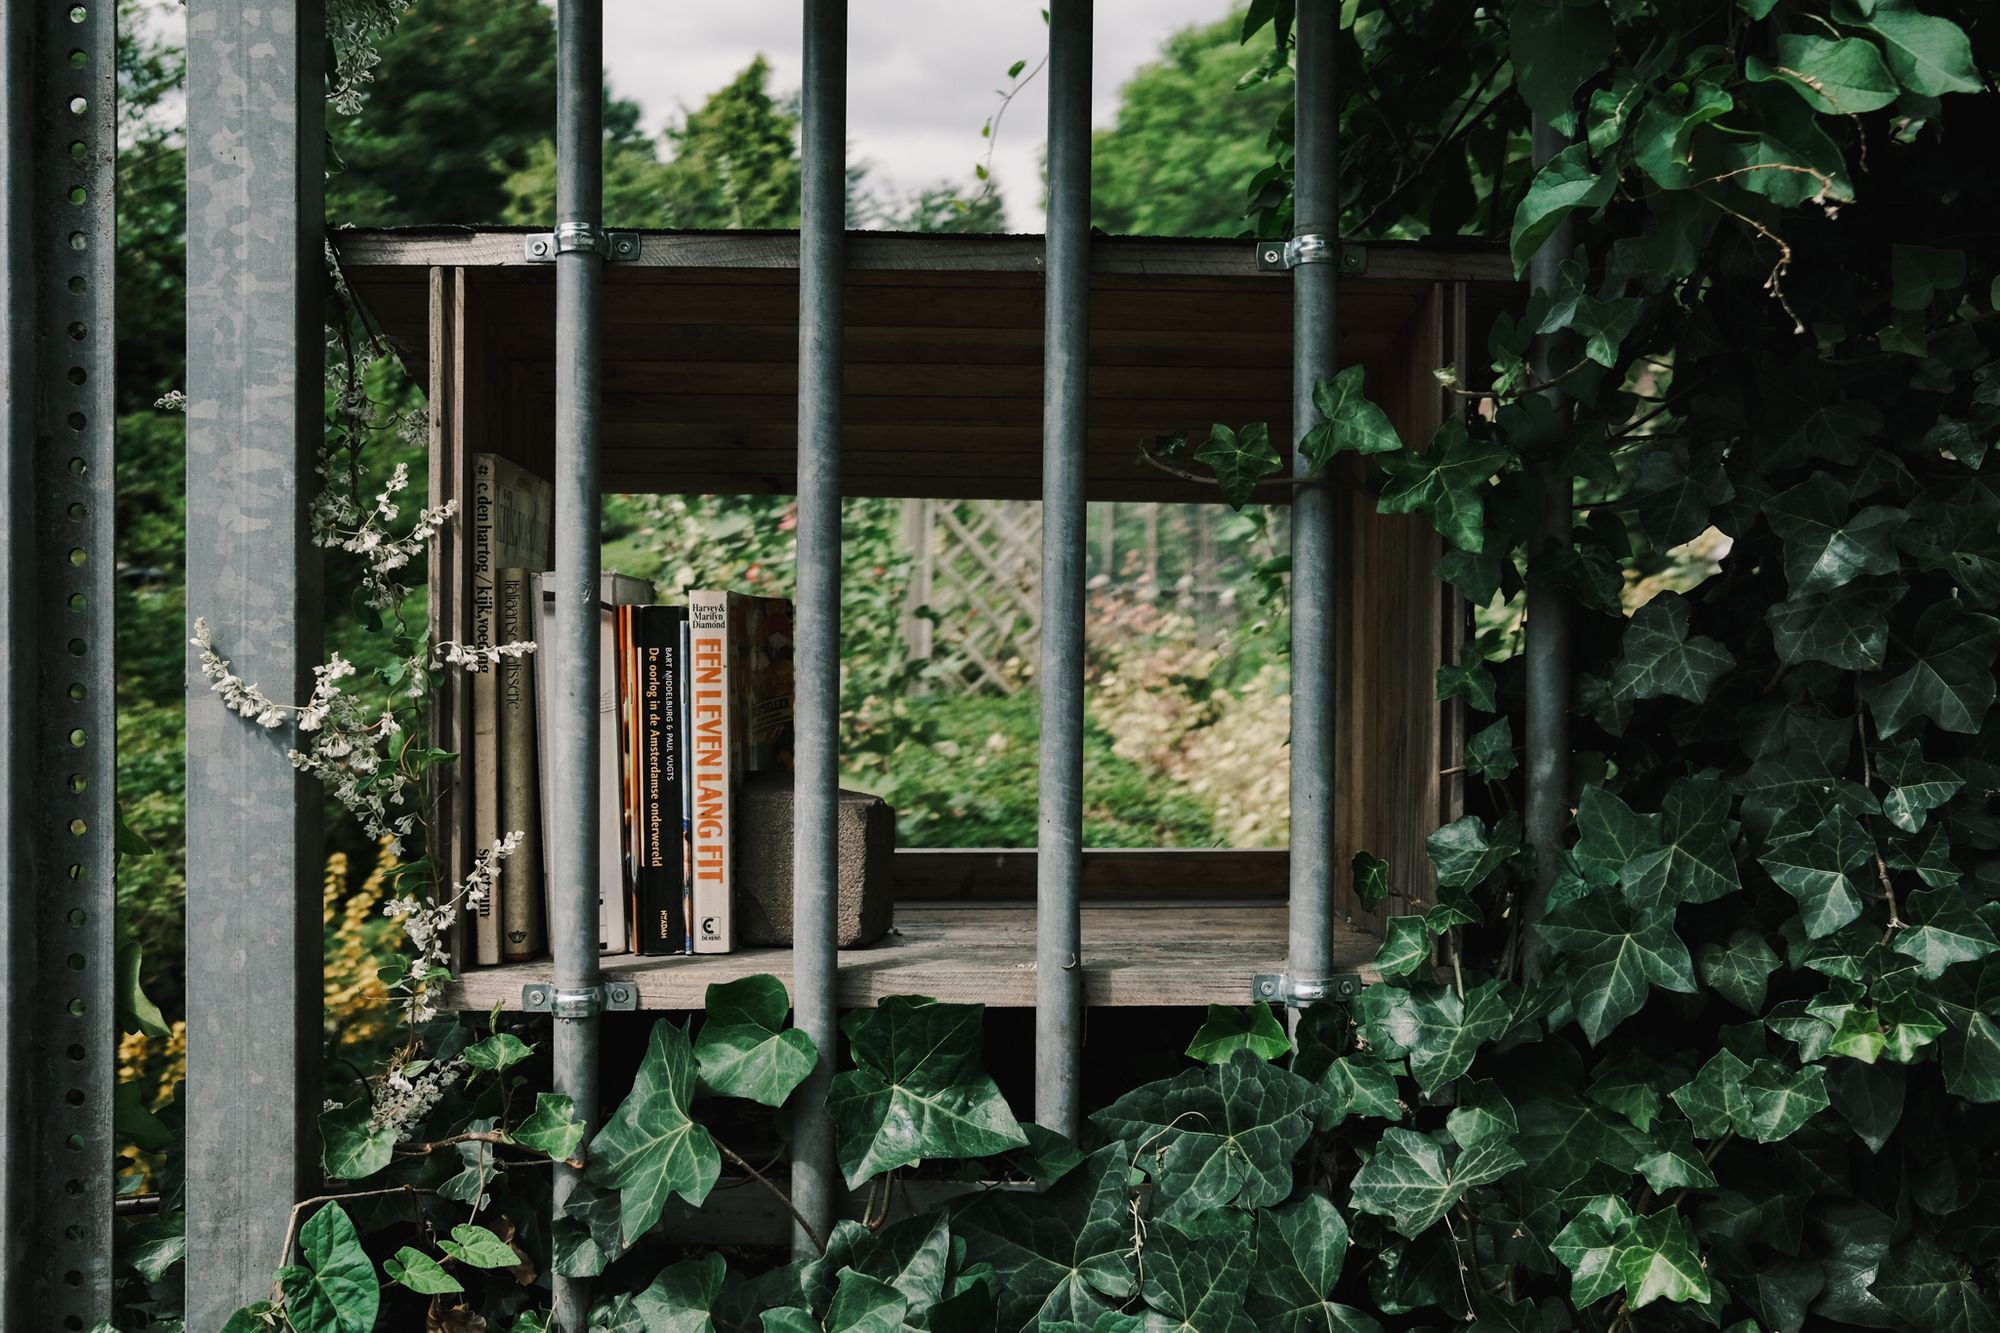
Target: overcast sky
922 75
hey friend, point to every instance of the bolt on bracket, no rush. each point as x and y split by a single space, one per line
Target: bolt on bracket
542 997
613 246
1297 992
1311 248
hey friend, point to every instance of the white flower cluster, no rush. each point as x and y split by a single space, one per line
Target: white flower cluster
427 926
478 659
356 26
409 1091
340 523
346 752
237 696
173 400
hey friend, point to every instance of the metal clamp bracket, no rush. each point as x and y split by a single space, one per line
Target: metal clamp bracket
613 246
1311 248
1296 992
615 997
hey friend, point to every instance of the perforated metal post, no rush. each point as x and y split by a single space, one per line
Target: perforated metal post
1314 614
815 851
1548 617
255 274
573 652
57 1069
1065 370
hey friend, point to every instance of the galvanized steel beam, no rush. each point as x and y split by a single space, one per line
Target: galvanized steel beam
255 277
815 850
1065 383
573 653
1314 612
1547 637
57 843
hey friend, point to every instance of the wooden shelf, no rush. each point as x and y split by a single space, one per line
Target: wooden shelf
1169 953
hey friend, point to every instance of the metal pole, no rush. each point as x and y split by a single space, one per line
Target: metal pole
815 851
580 248
1548 617
1065 377
255 328
1315 349
58 1062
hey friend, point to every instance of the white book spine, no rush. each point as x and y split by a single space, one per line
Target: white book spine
485 767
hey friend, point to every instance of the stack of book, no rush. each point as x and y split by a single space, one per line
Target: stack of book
691 700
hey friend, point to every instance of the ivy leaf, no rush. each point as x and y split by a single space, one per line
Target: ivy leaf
497 1052
1837 77
1813 867
1971 1058
1300 1250
1564 184
1695 864
745 1049
349 1147
588 1236
1062 1255
1349 422
1610 836
1915 787
1847 628
651 1147
1490 752
1917 273
1945 934
1557 44
863 1304
679 1299
420 1273
1240 460
1951 680
1613 953
1662 146
1869 1097
336 1290
1659 1261
913 1256
1825 546
1669 1160
1658 657
1739 971
1214 1136
1483 1112
1930 56
1408 1181
1406 946
1465 853
552 1129
1359 1085
1197 1283
1472 683
1590 1246
1929 1288
476 1247
1371 880
1677 495
1446 481
918 1089
1229 1030
1605 324
1625 1084
1764 1102
1439 1032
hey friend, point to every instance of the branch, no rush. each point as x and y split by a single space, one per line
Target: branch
782 1197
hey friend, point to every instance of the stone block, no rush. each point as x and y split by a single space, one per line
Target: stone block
866 829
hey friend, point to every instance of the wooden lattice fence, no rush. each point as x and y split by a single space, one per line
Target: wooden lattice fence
974 608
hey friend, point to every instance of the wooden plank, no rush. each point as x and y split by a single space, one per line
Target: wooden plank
1109 874
1181 953
1139 256
450 722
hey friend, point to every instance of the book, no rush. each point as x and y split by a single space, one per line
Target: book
512 524
687 793
520 884
740 703
662 856
614 590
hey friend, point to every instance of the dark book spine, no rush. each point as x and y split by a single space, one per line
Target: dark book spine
662 920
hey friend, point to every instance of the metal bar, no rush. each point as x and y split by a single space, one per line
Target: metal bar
574 659
255 275
1548 619
1059 1007
1314 614
57 87
815 849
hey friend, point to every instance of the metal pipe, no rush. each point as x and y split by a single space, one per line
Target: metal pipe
815 870
1548 618
573 653
1059 1011
1315 627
